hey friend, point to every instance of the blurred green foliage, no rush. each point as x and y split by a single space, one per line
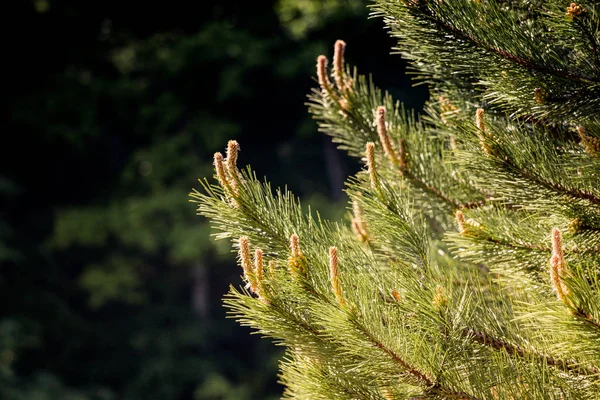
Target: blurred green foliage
300 17
109 286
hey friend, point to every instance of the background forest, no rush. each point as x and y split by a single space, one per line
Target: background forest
110 287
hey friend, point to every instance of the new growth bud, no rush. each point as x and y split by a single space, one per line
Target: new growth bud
259 272
220 170
371 164
296 261
447 109
232 155
440 300
481 132
295 245
334 275
338 64
258 265
460 219
574 10
479 121
540 95
466 226
558 266
386 142
324 81
227 173
590 143
244 256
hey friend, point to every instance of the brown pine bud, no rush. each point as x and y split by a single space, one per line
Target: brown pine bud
324 81
233 148
371 165
482 133
558 266
295 245
259 273
540 95
479 120
460 219
258 264
590 143
384 136
220 170
355 225
574 10
334 275
440 300
244 256
296 261
232 155
338 64
575 225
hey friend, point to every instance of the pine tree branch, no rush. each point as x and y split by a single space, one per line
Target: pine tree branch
414 372
520 246
432 386
452 203
527 178
459 34
365 126
318 337
529 246
576 193
420 183
581 314
496 343
591 38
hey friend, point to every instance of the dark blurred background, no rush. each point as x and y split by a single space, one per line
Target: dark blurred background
110 286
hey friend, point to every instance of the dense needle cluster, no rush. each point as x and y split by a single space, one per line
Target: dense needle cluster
469 267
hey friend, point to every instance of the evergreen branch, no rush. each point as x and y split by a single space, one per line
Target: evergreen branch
373 318
500 173
300 323
572 192
588 319
452 203
512 349
432 386
407 173
529 246
414 372
519 246
472 229
459 34
591 38
339 107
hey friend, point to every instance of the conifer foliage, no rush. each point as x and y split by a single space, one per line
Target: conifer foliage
470 264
